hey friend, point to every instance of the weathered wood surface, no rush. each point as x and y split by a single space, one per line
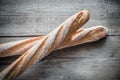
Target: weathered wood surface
93 61
21 19
35 17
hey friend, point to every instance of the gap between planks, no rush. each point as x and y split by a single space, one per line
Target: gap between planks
40 35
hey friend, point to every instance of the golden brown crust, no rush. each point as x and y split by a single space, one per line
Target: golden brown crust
20 47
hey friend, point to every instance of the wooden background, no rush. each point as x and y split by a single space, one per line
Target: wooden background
20 19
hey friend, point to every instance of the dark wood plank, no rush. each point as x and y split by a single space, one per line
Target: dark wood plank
93 61
10 39
37 17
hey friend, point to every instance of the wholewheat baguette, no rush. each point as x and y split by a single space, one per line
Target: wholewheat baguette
61 37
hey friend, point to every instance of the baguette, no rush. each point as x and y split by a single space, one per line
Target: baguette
19 47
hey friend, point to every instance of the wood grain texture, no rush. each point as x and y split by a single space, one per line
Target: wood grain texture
10 39
38 17
93 61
